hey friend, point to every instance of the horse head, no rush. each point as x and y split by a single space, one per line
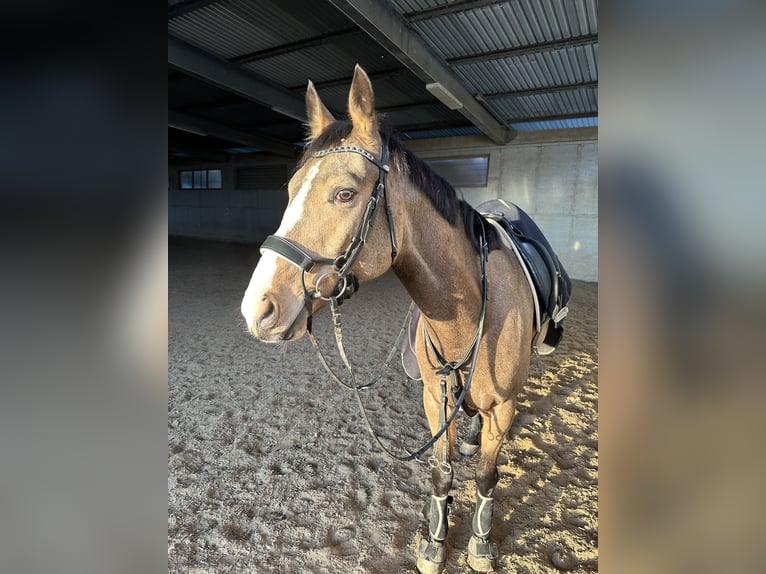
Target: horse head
329 205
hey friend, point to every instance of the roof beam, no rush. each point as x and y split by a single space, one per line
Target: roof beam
552 118
434 126
225 102
462 124
204 127
459 6
539 91
181 8
346 81
295 46
232 78
198 152
496 96
526 50
390 30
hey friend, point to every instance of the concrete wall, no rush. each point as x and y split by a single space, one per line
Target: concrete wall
226 214
551 175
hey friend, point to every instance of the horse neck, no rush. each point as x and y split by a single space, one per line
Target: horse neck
439 267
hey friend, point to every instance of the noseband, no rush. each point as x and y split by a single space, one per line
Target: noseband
341 265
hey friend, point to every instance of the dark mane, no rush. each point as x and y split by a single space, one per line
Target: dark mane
439 191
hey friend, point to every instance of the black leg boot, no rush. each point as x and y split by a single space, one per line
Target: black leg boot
482 552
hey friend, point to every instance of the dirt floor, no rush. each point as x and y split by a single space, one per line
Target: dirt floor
271 469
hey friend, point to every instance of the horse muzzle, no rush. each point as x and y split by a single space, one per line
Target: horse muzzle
271 320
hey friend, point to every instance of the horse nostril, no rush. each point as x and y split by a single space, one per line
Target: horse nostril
265 312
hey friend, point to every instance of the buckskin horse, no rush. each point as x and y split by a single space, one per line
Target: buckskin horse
472 341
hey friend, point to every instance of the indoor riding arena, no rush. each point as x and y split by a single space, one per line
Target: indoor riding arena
271 465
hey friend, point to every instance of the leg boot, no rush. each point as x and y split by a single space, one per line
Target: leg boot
432 553
482 552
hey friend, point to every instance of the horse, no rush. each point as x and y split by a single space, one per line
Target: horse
476 321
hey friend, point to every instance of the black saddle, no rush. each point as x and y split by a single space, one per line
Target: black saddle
549 278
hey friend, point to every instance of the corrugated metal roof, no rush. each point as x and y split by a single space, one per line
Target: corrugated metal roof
573 102
557 67
507 25
407 6
515 24
322 63
231 28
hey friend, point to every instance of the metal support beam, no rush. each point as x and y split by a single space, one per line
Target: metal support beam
295 46
232 78
459 6
552 118
195 152
346 80
181 8
526 50
496 96
202 126
200 147
440 125
462 124
390 30
539 91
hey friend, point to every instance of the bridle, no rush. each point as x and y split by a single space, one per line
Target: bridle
348 284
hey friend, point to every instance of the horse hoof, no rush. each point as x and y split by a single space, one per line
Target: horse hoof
482 554
431 557
468 449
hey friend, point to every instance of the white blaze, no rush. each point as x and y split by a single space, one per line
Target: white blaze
263 276
294 211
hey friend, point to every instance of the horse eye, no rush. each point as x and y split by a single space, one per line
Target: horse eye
344 195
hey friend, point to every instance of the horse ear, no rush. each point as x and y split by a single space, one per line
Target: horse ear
361 107
318 115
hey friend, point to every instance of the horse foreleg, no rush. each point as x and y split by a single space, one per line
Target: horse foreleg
470 444
432 552
482 552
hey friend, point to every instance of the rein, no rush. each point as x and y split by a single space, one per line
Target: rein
447 370
348 284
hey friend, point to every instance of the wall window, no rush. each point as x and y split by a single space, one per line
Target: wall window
200 179
462 171
186 180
